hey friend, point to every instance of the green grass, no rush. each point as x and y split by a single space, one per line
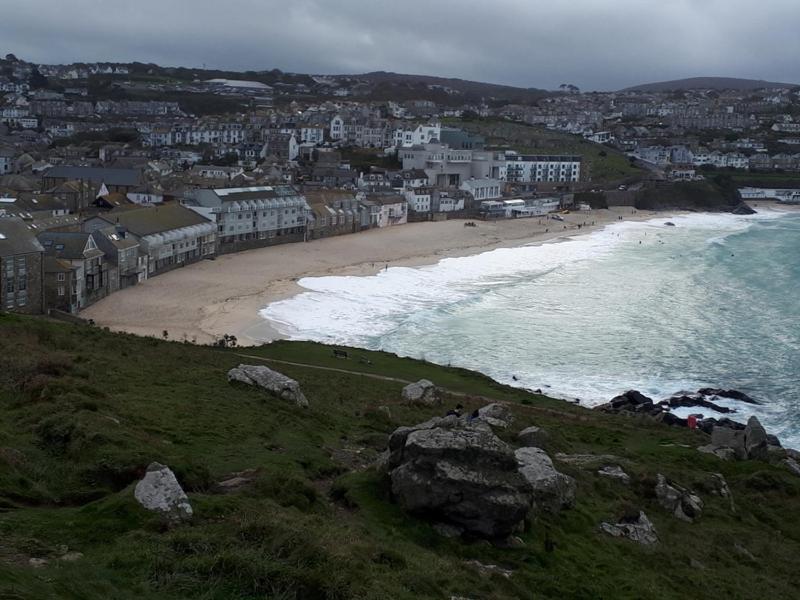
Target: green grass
601 164
83 411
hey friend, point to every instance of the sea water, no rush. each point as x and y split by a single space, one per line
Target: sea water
712 301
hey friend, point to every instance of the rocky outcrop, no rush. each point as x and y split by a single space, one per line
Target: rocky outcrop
749 443
458 473
638 529
277 384
552 490
496 415
159 491
532 436
743 209
422 392
792 464
755 440
615 472
682 503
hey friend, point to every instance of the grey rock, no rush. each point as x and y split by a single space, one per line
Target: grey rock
37 563
71 556
755 440
640 530
792 465
719 487
277 384
159 491
615 472
586 460
792 453
723 437
744 552
461 474
496 415
487 569
721 453
448 531
683 504
422 392
532 436
552 490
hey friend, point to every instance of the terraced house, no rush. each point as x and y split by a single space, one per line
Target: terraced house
252 217
20 268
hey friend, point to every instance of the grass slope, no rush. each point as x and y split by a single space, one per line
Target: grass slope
601 164
83 411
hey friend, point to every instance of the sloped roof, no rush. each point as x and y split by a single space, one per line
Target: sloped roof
16 238
67 244
156 219
125 177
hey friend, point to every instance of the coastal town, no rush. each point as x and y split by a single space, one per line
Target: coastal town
113 174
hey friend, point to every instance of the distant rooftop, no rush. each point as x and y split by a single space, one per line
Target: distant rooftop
126 177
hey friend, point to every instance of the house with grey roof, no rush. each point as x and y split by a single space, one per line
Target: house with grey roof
169 236
252 217
21 256
115 180
75 270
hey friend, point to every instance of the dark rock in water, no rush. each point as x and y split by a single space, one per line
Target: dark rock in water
743 209
669 224
461 474
694 400
630 401
732 394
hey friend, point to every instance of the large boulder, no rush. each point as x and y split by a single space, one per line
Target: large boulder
552 490
615 472
682 503
535 437
496 415
638 529
450 471
277 384
159 491
724 437
755 440
422 392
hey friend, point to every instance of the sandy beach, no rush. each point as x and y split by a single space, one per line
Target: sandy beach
203 301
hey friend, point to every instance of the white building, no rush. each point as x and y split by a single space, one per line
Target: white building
523 168
256 216
417 136
419 199
483 189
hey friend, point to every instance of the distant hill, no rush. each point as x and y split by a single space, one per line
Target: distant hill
393 86
708 83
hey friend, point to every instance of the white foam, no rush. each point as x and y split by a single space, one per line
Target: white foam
352 309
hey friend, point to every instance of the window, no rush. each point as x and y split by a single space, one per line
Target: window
22 285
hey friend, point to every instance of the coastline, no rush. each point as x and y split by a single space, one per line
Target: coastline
203 301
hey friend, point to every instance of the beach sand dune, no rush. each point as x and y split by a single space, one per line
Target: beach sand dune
203 301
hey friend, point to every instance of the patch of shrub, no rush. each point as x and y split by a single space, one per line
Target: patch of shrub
286 490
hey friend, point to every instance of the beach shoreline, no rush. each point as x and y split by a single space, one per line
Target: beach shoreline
206 300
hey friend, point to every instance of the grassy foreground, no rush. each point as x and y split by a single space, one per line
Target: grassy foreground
83 411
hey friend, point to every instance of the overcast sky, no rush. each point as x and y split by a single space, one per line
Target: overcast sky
594 44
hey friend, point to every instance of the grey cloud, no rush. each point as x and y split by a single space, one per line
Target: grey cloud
596 44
